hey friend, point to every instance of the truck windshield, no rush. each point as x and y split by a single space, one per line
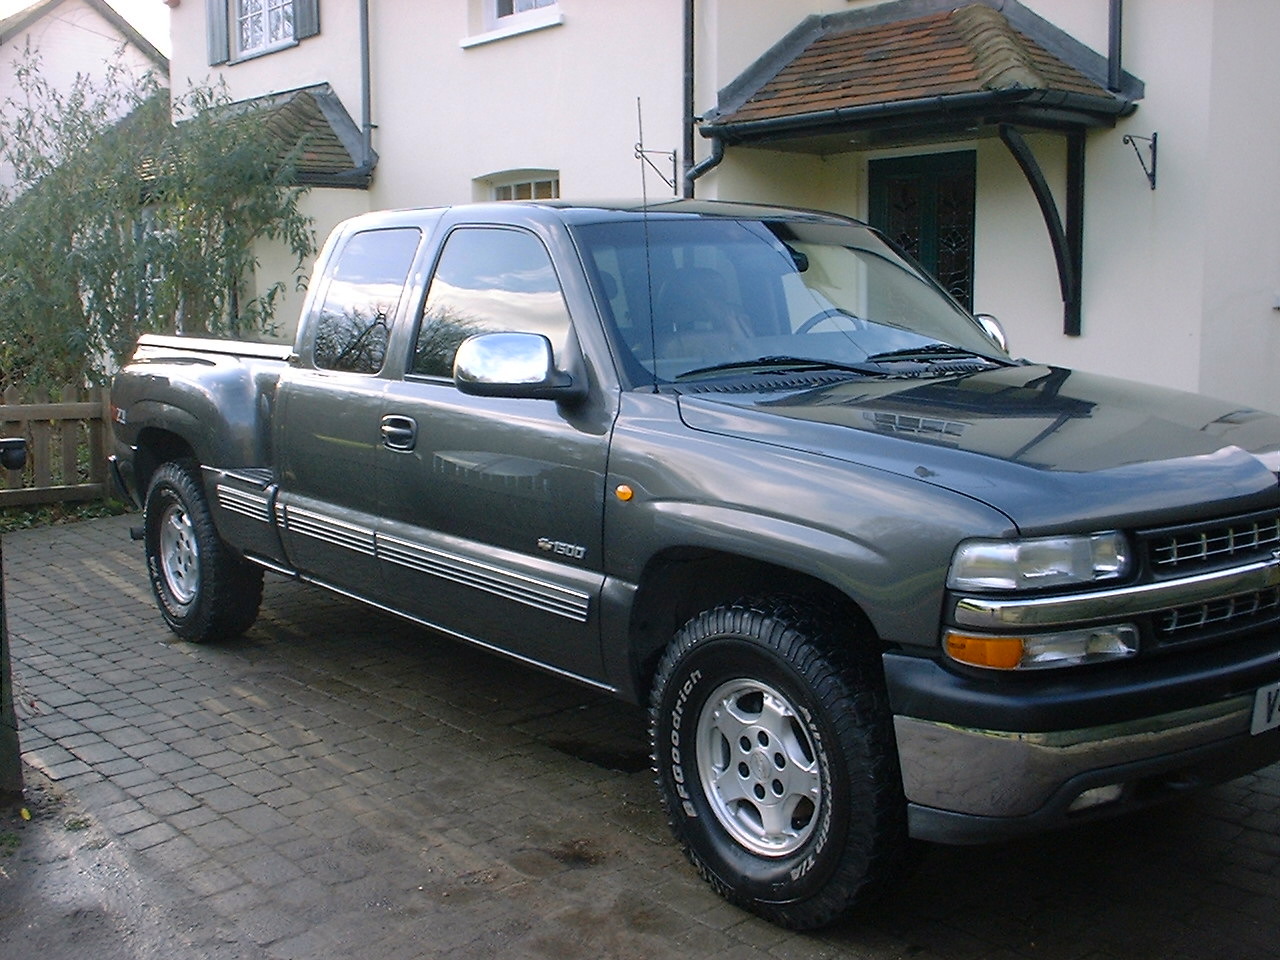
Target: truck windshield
692 297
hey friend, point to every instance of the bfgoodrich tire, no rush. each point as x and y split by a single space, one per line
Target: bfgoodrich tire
204 591
776 763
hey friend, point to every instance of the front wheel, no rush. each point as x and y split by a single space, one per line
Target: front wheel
204 591
776 762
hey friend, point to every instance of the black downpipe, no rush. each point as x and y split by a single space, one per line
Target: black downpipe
692 171
1115 71
366 94
689 119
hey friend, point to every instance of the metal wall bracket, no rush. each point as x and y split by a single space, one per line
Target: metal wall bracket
643 154
1151 143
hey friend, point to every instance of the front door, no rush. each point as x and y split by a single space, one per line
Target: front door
492 525
925 205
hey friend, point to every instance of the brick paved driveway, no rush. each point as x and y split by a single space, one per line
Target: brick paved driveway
340 784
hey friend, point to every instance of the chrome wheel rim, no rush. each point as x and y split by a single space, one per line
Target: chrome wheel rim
759 768
179 556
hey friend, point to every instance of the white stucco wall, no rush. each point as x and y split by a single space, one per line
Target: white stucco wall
73 39
1179 283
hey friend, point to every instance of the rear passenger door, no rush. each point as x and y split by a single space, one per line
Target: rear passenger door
493 517
329 408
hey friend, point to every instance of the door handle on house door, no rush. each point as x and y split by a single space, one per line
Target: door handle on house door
399 433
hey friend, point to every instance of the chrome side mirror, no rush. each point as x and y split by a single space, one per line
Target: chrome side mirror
511 365
991 327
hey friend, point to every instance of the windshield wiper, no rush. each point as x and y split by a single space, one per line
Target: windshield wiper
774 364
928 353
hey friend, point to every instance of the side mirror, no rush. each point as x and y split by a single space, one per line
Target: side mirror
13 453
512 365
991 327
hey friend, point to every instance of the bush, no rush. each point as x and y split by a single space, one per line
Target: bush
123 222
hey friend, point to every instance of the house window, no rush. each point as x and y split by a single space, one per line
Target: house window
548 189
496 19
239 29
262 25
509 8
925 205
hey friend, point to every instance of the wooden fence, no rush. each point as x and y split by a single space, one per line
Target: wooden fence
66 446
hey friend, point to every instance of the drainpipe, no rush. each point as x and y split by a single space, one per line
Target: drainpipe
366 93
1115 74
692 171
689 120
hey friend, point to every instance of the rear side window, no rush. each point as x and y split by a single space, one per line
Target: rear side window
360 301
488 279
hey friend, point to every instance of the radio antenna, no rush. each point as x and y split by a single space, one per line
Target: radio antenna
642 156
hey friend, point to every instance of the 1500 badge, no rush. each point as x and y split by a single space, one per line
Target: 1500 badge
570 550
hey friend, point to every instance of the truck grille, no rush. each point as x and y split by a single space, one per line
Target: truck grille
1185 622
1184 549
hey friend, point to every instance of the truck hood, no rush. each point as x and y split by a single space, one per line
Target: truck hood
1053 449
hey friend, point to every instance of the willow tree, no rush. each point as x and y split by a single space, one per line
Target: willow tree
131 211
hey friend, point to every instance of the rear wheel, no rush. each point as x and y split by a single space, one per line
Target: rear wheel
204 590
776 762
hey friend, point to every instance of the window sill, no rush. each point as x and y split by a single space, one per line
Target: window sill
534 20
262 52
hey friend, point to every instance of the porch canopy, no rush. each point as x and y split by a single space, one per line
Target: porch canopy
312 127
927 71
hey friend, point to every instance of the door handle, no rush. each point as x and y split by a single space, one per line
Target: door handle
399 433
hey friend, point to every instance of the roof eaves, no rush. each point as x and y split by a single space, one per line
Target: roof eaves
13 25
1080 107
148 49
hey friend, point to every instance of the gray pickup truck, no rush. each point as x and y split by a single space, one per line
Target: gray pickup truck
875 579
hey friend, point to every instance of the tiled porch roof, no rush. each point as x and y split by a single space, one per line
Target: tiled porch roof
868 63
313 122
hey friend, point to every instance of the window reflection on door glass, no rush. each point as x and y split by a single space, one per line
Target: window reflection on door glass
488 280
361 299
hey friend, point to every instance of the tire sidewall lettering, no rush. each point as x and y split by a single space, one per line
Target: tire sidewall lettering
677 755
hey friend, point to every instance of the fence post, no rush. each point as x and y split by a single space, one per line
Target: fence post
10 751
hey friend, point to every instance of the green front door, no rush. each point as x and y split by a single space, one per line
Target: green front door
925 205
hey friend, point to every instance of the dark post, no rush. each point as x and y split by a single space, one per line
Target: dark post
13 454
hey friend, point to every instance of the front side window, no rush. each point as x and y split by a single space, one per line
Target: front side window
360 301
488 279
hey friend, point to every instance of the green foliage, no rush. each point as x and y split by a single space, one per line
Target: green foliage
117 227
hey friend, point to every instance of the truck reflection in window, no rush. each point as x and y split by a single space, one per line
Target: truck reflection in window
488 280
360 302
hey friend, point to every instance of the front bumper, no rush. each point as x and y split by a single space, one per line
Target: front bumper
985 760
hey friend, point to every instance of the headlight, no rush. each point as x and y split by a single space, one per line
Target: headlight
1038 563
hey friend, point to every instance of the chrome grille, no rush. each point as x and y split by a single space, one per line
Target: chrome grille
1182 549
1174 625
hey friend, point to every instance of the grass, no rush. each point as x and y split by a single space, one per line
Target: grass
25 518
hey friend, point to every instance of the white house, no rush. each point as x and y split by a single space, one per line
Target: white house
72 37
1098 174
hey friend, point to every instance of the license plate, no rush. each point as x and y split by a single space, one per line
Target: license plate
1266 709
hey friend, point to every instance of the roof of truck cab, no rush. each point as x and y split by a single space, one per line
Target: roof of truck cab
584 212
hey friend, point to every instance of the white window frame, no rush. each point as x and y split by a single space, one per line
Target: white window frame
496 27
235 14
509 182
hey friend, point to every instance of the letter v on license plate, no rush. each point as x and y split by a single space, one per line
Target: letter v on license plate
1266 709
